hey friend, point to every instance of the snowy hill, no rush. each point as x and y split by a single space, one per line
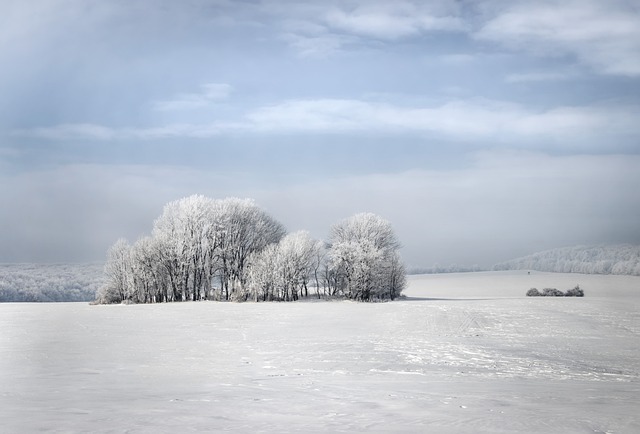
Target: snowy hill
617 259
50 282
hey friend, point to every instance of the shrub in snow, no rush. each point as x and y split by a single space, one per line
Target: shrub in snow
575 292
552 292
106 295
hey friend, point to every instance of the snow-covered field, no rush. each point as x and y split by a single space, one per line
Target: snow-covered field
464 353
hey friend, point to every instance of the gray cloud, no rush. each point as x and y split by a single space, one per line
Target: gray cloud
395 20
569 127
503 205
605 36
481 130
211 92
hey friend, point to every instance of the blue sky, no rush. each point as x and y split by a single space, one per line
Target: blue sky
482 130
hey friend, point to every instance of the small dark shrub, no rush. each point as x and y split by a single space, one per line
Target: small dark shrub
533 292
575 292
552 292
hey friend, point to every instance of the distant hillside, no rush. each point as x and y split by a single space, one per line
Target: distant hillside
50 282
620 259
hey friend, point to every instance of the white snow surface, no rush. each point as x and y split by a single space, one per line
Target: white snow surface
463 353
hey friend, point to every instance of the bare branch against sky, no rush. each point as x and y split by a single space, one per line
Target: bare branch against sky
481 130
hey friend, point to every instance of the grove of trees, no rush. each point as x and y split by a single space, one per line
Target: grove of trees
230 249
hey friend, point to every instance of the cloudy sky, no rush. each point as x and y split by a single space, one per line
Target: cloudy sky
483 130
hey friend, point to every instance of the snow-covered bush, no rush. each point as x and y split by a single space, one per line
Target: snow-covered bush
575 292
106 295
533 292
552 292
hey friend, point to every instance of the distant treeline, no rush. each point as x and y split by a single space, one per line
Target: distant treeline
618 259
50 282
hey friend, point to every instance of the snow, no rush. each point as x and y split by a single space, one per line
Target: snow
464 353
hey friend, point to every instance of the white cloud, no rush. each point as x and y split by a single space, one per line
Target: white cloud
470 120
474 121
603 35
458 59
319 31
456 118
320 46
210 93
390 20
528 77
70 131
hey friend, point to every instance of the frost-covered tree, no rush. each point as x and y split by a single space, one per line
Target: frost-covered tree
299 254
283 271
244 229
230 249
196 243
150 277
263 282
364 258
187 232
118 272
395 276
